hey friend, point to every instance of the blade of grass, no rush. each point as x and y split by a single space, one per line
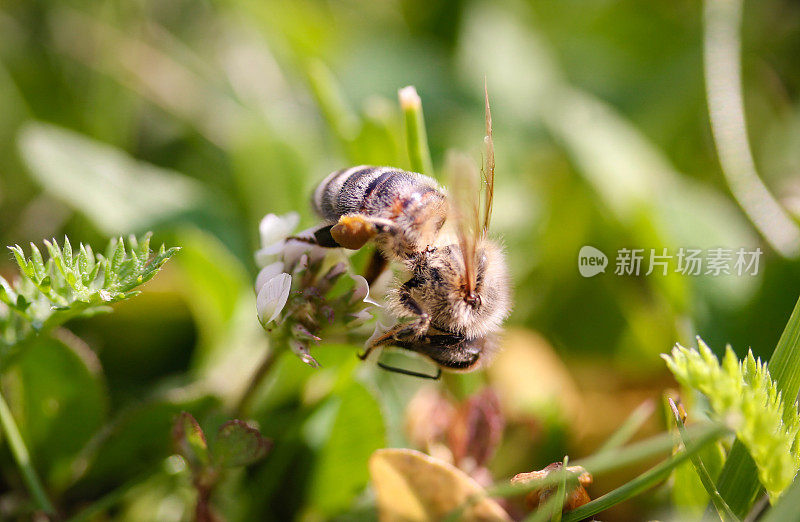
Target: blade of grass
722 48
343 122
738 482
23 459
628 429
416 137
561 493
724 511
599 464
644 481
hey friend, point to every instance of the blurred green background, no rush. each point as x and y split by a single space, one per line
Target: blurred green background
194 119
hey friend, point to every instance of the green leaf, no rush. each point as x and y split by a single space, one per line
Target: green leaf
24 266
787 507
341 471
60 401
237 444
136 440
190 441
39 269
118 193
118 256
69 287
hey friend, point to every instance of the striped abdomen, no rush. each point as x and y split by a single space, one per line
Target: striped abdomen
413 201
372 191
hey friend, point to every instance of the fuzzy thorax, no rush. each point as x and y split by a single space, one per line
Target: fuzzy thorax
438 285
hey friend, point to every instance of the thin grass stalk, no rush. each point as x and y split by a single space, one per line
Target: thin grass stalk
419 154
23 459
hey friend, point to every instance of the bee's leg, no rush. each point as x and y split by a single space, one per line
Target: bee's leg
353 231
322 237
377 264
403 331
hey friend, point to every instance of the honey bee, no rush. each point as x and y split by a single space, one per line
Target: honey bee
458 294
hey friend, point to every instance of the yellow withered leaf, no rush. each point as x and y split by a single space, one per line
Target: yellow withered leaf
413 486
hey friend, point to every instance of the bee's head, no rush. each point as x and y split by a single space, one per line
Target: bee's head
443 291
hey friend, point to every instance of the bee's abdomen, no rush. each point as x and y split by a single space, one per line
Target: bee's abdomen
369 190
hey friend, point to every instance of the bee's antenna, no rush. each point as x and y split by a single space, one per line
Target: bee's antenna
411 372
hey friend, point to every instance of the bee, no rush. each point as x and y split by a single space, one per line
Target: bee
457 296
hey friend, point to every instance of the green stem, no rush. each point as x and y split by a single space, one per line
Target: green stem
243 406
416 136
723 510
23 459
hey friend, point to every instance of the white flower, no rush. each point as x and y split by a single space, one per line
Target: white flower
275 228
272 297
267 273
269 254
274 231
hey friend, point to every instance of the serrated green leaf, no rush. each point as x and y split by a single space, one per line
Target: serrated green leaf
7 294
739 483
90 258
71 286
83 265
119 255
22 303
95 270
744 394
237 444
144 249
133 243
67 250
25 267
38 264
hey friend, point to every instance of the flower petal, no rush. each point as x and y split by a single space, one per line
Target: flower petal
275 228
269 254
294 249
267 273
361 290
380 329
359 318
272 297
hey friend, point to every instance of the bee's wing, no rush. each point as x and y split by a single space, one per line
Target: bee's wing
464 180
488 166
